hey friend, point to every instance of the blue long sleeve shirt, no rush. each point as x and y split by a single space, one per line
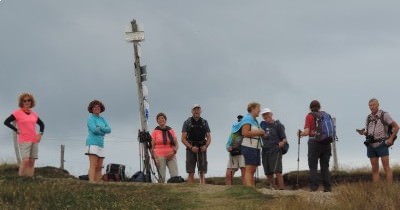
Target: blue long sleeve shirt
97 128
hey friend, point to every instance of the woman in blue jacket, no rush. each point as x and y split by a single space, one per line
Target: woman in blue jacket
98 128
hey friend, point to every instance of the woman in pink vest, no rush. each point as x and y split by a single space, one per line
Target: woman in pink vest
165 146
28 138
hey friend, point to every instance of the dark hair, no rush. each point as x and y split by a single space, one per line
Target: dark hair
315 106
23 96
161 114
94 103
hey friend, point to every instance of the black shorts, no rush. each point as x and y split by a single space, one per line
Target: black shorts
191 161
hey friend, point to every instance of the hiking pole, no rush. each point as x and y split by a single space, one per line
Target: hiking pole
232 172
198 165
298 160
274 177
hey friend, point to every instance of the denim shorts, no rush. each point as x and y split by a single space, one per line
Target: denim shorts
252 156
376 152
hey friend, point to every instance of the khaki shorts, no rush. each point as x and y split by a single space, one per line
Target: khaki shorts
28 150
236 162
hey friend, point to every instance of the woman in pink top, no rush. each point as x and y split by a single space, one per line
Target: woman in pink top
165 146
28 138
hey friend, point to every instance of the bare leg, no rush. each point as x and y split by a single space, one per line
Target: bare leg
202 178
92 168
30 171
388 170
249 177
375 169
281 183
190 179
99 167
229 176
23 167
271 181
243 171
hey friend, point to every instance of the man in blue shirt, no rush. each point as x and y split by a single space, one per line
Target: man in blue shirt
272 147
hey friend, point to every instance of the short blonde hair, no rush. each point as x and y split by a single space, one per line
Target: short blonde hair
22 98
252 106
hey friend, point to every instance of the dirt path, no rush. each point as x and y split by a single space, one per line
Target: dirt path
317 197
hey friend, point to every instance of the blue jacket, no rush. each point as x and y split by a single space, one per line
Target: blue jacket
98 128
247 119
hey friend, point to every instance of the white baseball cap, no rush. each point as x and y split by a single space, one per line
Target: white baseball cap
266 110
196 106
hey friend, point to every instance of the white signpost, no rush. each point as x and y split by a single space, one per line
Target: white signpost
134 36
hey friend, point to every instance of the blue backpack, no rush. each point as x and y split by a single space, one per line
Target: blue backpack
325 128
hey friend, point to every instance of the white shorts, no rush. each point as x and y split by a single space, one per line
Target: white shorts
236 162
95 150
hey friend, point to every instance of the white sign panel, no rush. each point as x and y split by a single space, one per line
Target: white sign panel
134 36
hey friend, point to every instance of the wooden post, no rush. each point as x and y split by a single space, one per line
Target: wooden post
143 120
62 160
16 148
335 159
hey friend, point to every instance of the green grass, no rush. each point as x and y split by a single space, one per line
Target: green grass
65 192
56 189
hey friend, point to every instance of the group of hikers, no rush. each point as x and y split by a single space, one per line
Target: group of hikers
250 143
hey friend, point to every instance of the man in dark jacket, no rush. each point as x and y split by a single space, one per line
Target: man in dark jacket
196 137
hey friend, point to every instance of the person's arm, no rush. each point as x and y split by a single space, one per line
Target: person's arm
307 127
208 142
248 133
8 122
106 129
175 140
185 141
282 133
395 129
41 125
91 123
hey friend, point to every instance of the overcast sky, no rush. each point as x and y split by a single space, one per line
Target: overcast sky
222 55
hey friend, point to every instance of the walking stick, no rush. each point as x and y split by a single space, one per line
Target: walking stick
298 160
232 168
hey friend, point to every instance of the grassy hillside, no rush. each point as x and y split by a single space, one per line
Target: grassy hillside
56 189
69 193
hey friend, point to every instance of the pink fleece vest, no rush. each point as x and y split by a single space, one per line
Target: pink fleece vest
26 124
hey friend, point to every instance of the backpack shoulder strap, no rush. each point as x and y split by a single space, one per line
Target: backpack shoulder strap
382 118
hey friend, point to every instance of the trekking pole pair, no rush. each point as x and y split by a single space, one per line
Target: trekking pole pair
202 165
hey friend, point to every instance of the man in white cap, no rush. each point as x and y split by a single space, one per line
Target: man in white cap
196 137
273 144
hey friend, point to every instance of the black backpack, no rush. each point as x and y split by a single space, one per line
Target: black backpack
138 177
176 180
196 132
116 172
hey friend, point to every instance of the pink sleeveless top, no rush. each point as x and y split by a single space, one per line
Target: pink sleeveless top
161 149
26 124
